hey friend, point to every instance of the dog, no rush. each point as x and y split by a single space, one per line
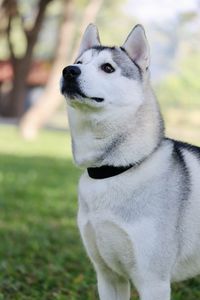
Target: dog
139 196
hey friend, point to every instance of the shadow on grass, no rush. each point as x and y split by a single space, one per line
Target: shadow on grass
41 255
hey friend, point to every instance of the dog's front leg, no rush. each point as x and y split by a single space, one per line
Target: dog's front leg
111 286
154 289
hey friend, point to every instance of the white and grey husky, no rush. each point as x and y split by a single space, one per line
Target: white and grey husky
139 197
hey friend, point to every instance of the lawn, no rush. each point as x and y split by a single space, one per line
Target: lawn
41 255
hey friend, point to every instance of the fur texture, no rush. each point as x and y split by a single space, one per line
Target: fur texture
142 225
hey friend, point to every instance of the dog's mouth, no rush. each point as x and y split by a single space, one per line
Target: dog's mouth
73 92
80 96
97 99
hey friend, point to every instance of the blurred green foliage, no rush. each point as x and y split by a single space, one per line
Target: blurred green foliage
41 254
48 34
114 24
110 16
181 89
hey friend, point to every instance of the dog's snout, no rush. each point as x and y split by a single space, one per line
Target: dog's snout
71 72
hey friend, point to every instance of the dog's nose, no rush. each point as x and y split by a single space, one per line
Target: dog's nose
71 72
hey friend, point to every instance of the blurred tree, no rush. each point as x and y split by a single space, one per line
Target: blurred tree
14 18
51 99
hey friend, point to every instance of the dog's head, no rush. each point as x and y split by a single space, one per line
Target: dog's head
111 106
107 77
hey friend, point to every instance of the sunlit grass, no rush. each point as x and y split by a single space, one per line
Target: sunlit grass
41 256
51 144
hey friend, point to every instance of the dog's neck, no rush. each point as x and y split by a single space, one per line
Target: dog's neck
101 138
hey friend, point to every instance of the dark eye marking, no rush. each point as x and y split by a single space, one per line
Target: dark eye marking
107 68
79 62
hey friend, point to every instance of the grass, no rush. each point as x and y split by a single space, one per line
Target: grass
41 254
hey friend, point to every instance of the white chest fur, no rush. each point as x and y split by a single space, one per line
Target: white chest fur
114 215
128 223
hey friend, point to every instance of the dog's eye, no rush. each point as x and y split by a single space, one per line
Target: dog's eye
79 62
107 68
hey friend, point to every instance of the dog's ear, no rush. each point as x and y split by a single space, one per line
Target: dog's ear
90 38
137 47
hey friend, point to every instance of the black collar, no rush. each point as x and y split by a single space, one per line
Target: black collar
110 171
106 171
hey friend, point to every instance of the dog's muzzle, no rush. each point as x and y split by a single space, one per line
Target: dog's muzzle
70 85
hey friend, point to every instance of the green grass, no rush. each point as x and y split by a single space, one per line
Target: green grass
41 254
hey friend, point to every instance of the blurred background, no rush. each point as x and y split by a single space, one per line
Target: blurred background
41 255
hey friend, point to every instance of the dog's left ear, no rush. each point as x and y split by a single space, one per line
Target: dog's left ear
137 47
90 38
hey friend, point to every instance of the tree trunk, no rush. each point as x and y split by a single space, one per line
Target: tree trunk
40 113
50 98
14 106
15 103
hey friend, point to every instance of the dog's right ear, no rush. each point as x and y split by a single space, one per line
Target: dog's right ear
90 39
137 47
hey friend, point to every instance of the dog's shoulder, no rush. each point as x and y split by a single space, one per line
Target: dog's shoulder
179 147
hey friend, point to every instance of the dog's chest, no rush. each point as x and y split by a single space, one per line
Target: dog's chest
108 243
103 221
